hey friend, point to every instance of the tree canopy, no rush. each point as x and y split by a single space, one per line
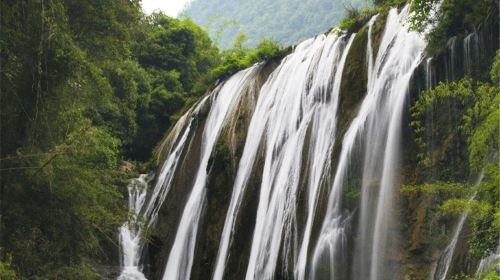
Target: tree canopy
85 86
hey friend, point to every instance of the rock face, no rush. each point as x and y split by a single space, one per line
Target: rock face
276 249
221 169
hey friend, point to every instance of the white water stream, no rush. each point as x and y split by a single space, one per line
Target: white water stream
224 100
444 262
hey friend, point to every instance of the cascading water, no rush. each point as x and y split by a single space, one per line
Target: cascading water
452 47
224 100
332 238
378 127
428 73
303 228
489 263
322 138
143 215
444 262
303 92
400 61
130 232
298 94
471 51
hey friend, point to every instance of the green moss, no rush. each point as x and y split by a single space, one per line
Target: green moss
352 196
354 81
356 19
378 30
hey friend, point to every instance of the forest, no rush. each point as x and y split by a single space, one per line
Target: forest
87 90
286 21
90 90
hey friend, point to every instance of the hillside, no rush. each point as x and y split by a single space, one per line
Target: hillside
287 21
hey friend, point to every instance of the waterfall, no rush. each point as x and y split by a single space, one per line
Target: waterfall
452 47
303 229
143 215
225 97
332 232
444 262
298 94
471 51
489 263
322 138
428 73
302 91
130 232
397 59
377 127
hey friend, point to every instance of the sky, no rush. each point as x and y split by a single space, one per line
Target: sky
169 7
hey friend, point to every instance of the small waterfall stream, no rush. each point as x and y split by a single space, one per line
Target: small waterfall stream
489 263
130 237
428 73
452 48
471 51
143 215
444 262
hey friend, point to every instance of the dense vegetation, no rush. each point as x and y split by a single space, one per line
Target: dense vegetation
86 85
286 21
455 17
472 125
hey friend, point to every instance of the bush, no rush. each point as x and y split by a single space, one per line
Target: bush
240 57
455 17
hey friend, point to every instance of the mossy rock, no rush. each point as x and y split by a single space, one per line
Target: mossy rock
378 30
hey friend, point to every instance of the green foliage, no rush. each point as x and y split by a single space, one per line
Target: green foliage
85 85
476 209
389 3
494 275
495 69
286 21
356 18
455 189
455 17
180 48
347 23
421 15
448 129
461 276
240 57
474 119
485 118
178 58
6 271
